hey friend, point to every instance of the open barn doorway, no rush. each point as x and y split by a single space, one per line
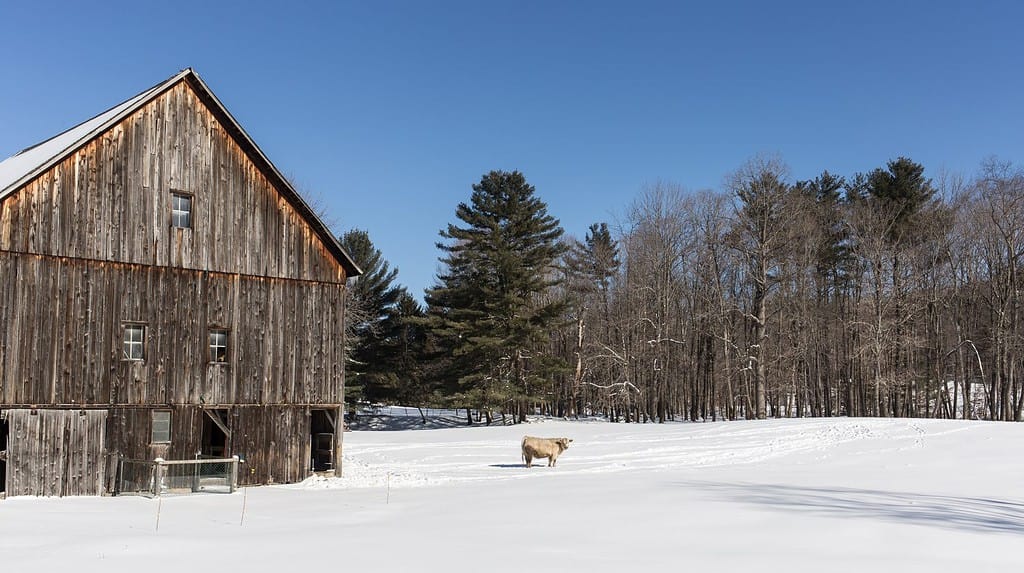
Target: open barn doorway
4 432
321 439
215 433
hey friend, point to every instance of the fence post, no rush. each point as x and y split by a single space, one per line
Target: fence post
196 477
119 475
158 476
234 473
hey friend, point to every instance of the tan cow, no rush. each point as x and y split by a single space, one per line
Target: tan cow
549 448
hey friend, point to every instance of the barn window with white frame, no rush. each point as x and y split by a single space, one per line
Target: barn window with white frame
134 342
218 346
181 211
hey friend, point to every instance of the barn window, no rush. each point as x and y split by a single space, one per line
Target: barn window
134 341
181 211
161 432
218 346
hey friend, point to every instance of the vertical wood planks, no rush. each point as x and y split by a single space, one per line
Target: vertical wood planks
87 246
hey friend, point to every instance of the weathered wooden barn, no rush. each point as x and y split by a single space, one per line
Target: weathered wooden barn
164 292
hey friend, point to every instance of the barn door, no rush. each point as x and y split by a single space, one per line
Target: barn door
216 434
321 440
56 452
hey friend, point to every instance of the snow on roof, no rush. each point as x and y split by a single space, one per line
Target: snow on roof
17 170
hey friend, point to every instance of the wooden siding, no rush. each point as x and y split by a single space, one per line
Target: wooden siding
61 332
88 246
56 452
274 441
111 201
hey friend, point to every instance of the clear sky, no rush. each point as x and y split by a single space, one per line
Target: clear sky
387 112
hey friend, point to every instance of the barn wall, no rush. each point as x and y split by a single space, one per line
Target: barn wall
88 246
61 331
111 201
56 452
274 441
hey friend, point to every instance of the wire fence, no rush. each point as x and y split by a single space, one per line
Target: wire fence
136 477
161 477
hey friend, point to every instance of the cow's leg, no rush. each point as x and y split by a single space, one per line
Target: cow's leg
529 459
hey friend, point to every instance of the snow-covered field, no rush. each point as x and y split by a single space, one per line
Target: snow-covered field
780 495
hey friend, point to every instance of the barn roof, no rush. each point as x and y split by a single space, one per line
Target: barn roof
26 165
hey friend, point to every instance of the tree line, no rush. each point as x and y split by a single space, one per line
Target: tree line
883 293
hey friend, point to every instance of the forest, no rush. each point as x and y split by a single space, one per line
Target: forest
883 293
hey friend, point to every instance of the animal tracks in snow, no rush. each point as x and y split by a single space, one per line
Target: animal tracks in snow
426 458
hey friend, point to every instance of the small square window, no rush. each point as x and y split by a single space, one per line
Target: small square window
161 432
218 346
134 342
181 211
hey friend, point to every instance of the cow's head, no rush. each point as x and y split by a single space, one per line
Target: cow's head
563 443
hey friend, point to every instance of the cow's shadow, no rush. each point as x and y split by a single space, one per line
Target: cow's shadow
519 466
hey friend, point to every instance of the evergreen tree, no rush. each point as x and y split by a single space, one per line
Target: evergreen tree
903 190
831 248
402 352
590 267
487 306
596 260
372 302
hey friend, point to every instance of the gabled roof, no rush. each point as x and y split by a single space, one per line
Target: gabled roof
22 168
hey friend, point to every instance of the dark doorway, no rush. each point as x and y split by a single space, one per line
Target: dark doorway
4 431
215 433
321 439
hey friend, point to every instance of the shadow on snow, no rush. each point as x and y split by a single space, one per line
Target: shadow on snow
399 423
384 422
963 513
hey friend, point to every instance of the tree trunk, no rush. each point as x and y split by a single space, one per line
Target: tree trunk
760 336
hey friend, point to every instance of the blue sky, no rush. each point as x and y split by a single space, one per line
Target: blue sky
387 112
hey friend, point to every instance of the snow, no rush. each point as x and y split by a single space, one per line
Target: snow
795 495
15 169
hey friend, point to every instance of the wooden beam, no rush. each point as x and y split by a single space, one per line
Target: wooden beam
216 420
331 418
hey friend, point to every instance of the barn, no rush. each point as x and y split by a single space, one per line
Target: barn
164 293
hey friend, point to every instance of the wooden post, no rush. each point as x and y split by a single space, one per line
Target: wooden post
196 475
234 473
158 476
339 436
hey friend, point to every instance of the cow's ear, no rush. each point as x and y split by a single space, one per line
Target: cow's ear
570 439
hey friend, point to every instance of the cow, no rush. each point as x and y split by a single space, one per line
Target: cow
549 448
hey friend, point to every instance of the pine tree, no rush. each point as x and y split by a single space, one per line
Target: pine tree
373 298
487 305
902 189
831 236
595 261
402 353
590 267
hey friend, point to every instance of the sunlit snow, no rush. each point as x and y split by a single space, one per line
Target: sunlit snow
777 495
